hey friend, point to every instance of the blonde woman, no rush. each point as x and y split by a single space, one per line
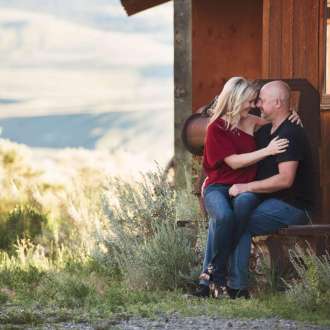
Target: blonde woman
230 157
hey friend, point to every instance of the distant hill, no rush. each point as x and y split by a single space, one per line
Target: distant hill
147 133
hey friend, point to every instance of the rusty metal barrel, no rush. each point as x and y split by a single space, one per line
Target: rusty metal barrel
194 129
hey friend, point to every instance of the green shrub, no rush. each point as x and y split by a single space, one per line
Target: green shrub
3 297
140 205
24 221
312 288
147 246
64 289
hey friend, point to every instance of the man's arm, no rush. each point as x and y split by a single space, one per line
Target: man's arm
283 180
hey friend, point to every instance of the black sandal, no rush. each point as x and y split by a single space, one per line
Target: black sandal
208 274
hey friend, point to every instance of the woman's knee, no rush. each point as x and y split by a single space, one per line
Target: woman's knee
224 218
245 201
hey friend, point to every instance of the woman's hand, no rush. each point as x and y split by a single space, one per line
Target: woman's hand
277 146
294 118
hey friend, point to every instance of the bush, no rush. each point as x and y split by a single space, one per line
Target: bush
65 289
24 221
312 288
148 247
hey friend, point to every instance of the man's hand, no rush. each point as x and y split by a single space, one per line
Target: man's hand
237 189
295 118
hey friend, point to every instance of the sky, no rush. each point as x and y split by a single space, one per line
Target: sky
81 57
71 56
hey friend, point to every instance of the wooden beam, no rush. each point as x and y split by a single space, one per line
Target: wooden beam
182 86
135 6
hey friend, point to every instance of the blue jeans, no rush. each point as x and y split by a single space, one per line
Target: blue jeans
267 218
228 219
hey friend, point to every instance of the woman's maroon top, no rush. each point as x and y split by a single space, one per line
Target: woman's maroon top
220 143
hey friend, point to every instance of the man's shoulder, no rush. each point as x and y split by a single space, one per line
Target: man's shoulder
289 129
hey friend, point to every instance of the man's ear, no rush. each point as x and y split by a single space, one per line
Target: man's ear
278 103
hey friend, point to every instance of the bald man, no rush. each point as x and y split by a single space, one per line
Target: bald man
284 182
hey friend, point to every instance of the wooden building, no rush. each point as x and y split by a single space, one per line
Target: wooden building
258 39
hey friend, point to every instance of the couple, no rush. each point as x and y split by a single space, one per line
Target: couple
259 179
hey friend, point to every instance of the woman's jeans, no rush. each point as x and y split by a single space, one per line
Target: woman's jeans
228 219
267 218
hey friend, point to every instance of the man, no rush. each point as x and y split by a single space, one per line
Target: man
284 182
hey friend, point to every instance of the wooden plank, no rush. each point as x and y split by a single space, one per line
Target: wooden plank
312 54
299 47
306 40
287 40
322 45
306 230
275 39
182 86
266 39
135 6
291 39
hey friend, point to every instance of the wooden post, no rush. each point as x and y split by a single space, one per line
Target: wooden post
182 87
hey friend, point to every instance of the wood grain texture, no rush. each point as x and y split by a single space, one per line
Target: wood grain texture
291 39
322 45
287 40
226 42
265 38
306 32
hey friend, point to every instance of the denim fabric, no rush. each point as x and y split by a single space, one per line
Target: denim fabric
227 221
267 218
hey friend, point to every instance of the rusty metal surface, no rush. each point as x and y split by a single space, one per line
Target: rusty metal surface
135 6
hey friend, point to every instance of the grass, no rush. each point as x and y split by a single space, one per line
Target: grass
119 303
99 248
36 289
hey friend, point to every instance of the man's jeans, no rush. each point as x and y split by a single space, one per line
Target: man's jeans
227 222
267 218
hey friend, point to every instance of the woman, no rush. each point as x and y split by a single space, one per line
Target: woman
230 157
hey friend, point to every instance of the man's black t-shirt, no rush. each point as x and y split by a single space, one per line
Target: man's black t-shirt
301 193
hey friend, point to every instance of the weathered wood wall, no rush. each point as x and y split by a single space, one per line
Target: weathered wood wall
226 42
291 39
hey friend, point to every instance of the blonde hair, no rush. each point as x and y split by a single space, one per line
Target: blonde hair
229 103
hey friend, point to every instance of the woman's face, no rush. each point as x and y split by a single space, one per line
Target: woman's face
247 105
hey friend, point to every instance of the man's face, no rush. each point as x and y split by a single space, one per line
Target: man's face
266 104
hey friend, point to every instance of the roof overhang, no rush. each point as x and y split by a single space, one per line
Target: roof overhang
135 6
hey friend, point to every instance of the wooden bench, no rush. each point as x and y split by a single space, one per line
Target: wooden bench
274 249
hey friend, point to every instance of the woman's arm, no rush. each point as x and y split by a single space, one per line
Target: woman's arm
258 121
276 146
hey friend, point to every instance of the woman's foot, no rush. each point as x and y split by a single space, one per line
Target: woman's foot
202 291
207 274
